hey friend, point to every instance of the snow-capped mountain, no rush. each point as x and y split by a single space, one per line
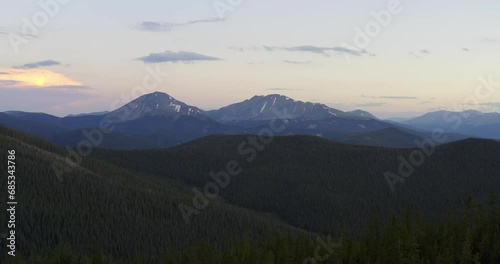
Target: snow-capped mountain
154 104
159 120
260 108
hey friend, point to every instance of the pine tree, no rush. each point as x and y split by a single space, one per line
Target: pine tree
466 257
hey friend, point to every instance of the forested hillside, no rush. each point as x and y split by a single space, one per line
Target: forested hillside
104 207
319 185
122 206
470 237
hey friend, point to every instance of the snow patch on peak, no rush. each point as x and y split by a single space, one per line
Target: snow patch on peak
263 107
332 113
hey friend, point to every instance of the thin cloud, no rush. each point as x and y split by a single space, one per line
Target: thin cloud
5 31
42 100
318 50
12 84
8 83
465 49
282 89
244 49
297 62
68 87
392 97
181 56
420 53
4 73
39 64
494 104
399 97
325 51
490 40
369 105
166 27
37 79
16 85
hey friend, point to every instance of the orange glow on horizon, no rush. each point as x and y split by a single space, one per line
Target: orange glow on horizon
39 78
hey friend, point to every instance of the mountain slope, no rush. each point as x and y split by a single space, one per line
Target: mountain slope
397 137
154 104
158 120
290 175
260 108
361 113
33 125
304 118
99 205
389 137
150 121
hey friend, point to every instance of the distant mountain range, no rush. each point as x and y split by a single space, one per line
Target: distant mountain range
470 122
159 120
300 185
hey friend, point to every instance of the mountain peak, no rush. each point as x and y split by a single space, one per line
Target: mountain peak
272 96
362 114
264 107
154 104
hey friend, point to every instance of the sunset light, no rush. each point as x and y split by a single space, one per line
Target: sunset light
36 78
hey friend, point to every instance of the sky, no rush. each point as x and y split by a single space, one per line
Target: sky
391 58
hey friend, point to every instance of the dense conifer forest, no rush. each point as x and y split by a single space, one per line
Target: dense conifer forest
299 200
472 238
319 185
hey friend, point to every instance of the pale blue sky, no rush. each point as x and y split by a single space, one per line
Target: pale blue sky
429 56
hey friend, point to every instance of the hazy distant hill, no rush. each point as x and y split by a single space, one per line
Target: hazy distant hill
471 122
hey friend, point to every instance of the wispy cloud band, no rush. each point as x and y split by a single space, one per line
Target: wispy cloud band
181 56
166 26
306 48
391 97
38 64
